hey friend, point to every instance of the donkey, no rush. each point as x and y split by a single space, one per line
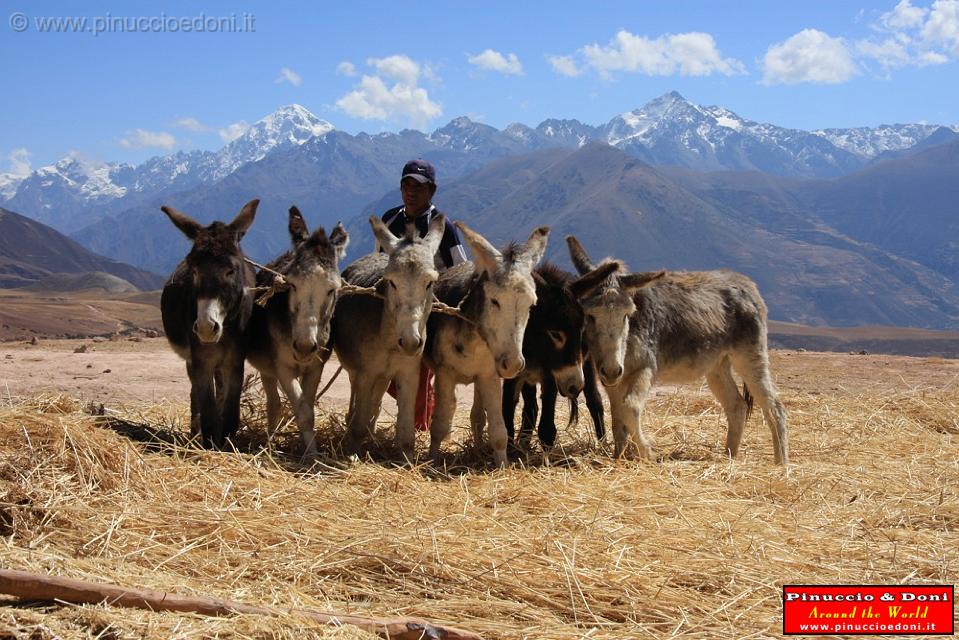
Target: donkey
485 341
206 305
678 327
381 337
554 350
290 332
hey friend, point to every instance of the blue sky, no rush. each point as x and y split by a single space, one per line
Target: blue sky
377 66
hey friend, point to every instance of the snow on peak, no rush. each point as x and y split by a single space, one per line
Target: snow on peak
288 126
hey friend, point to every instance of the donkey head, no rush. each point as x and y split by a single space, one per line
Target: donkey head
407 282
314 279
216 267
608 309
508 292
555 329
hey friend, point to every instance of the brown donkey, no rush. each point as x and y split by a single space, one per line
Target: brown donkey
206 305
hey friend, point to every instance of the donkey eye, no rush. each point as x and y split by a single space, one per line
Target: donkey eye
331 291
392 284
494 302
558 337
230 272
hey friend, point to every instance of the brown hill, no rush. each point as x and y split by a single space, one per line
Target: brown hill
617 205
31 251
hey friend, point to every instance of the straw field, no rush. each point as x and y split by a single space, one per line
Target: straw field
693 546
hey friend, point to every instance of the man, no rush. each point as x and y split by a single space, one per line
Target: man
417 188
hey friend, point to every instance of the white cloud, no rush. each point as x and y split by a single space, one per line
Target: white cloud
942 26
496 61
400 68
903 16
565 66
808 56
141 139
20 162
346 68
232 132
688 54
891 53
403 99
289 75
191 124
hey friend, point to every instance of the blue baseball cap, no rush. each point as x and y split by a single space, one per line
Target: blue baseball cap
420 170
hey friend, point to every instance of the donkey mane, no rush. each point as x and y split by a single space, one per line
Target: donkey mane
553 275
217 240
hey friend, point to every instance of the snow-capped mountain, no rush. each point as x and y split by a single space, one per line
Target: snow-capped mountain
75 192
869 142
286 127
8 185
672 130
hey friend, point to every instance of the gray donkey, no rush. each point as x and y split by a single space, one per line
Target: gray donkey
206 305
678 327
289 334
380 337
485 342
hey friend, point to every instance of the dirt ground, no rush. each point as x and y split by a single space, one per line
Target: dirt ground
139 371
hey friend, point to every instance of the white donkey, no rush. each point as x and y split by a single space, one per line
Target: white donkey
678 327
380 337
288 336
485 342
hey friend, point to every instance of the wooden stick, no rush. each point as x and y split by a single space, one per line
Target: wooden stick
35 586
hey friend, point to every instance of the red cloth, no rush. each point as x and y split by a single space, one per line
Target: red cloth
425 400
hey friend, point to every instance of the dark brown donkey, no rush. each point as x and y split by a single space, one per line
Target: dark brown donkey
554 350
206 305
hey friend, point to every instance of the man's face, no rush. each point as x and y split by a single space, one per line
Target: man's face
416 195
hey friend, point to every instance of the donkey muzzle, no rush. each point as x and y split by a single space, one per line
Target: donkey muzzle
208 331
611 374
508 367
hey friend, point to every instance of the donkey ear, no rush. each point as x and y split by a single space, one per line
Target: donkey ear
485 255
385 239
339 238
587 283
535 247
298 229
190 227
579 256
635 281
434 235
244 219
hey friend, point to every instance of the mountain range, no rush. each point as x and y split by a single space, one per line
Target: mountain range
838 226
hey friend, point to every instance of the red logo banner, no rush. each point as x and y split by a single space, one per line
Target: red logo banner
868 609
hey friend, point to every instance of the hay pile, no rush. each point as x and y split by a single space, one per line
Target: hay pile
695 546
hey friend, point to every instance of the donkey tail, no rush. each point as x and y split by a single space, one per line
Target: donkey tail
748 397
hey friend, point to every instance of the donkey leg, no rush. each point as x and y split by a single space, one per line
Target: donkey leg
305 415
211 428
547 420
273 406
231 377
627 400
754 369
723 386
528 416
477 418
510 400
194 404
360 416
594 399
443 413
407 381
491 393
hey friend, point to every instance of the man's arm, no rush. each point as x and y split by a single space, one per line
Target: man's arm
451 248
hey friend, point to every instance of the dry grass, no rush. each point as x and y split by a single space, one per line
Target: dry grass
695 546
